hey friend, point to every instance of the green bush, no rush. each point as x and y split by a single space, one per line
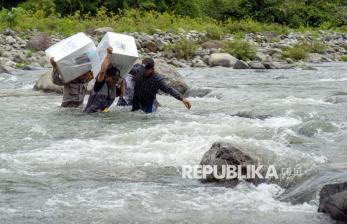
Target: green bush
10 18
296 52
240 49
182 49
317 47
214 32
344 58
301 50
46 6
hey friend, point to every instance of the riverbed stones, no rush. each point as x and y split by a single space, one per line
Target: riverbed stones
10 40
222 59
269 53
103 30
333 201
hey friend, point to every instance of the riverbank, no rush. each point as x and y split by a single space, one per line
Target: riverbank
262 50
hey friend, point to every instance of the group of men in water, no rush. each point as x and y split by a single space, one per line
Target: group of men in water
138 89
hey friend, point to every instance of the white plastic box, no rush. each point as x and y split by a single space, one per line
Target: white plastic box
73 56
124 52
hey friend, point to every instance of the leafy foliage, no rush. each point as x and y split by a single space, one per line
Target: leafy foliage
182 49
240 49
10 17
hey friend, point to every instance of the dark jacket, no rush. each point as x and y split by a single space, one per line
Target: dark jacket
74 91
146 89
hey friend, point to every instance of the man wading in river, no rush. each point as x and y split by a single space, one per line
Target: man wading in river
73 91
106 87
147 85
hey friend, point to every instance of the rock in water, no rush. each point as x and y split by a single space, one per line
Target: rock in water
223 153
256 65
241 65
169 72
222 59
45 84
333 201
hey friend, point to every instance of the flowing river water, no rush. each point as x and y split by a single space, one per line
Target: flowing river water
62 166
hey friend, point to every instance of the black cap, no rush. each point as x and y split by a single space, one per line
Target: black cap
148 63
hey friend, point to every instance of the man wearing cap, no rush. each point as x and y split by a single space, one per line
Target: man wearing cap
106 87
147 85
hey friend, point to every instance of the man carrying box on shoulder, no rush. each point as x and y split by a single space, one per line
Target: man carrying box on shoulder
75 90
106 87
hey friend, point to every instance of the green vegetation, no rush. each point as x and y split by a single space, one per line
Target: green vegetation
296 53
215 17
344 58
10 17
21 65
301 50
240 49
292 13
182 49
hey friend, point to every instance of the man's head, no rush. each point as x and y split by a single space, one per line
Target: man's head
148 65
112 75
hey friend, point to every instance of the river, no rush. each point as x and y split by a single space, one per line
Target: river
62 166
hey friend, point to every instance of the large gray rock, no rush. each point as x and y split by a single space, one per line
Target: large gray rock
198 63
223 153
45 84
39 42
149 45
333 201
222 59
263 57
241 65
314 58
10 40
256 65
277 65
173 78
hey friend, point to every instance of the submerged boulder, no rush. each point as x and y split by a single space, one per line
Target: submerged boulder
333 201
222 154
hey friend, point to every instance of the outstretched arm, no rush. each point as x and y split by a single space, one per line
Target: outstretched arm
173 92
55 74
104 66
